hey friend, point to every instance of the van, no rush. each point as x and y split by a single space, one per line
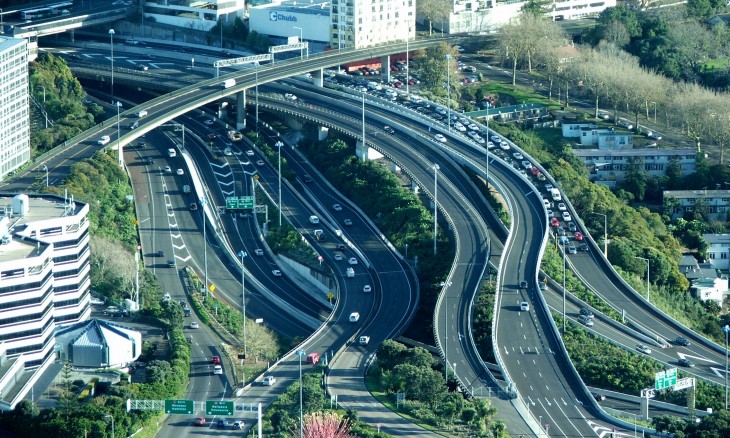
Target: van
171 153
313 358
142 113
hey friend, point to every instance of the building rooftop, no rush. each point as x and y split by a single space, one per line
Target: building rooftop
300 7
639 152
716 238
697 193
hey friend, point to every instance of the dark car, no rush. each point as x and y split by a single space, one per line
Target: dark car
308 179
222 423
681 340
599 397
685 363
160 253
523 284
171 263
586 312
150 160
388 129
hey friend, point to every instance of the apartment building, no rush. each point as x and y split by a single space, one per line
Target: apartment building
14 109
44 283
719 252
714 204
608 166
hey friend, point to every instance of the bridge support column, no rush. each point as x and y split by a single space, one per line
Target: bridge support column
322 133
318 79
71 35
365 152
385 68
241 110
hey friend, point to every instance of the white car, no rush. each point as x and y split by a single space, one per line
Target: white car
364 340
313 219
339 257
259 252
525 306
269 381
643 348
180 172
194 325
518 156
105 139
168 169
348 222
289 96
227 152
260 163
367 288
337 207
276 273
217 369
504 146
440 138
249 152
562 207
209 122
354 317
352 261
567 217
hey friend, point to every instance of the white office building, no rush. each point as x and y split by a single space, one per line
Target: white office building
337 23
14 110
44 283
193 14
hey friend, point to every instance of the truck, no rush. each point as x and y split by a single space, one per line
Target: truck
555 193
228 83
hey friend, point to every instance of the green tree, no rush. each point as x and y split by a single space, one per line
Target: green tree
635 178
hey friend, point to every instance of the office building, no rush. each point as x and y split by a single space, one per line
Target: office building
194 14
14 109
44 283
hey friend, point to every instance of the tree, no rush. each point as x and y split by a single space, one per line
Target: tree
260 341
433 65
434 11
323 425
67 401
635 179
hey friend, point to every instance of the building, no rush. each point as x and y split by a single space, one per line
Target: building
577 9
609 166
98 344
337 23
44 283
719 252
710 289
713 203
605 138
193 14
14 109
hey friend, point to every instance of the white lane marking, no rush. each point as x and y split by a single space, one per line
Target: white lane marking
704 359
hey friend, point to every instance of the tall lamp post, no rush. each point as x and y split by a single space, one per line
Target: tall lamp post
448 91
45 168
445 284
726 329
106 417
44 105
647 275
119 143
301 51
257 97
408 71
563 288
435 204
243 299
279 145
301 353
605 233
111 45
203 203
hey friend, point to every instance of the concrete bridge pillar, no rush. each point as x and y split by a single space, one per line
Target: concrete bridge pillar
241 113
318 79
385 68
71 35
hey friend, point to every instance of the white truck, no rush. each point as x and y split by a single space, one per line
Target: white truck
228 83
555 193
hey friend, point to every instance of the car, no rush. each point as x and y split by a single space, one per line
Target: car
150 160
561 231
249 152
212 136
563 240
681 340
209 122
340 247
217 370
160 253
562 207
543 286
339 257
584 311
193 206
549 187
440 138
352 261
546 203
572 250
685 363
364 340
523 284
105 139
337 207
237 425
276 273
367 288
194 325
496 139
260 163
527 165
171 263
504 146
289 96
308 179
222 423
269 381
180 172
535 171
584 246
554 222
643 348
578 235
313 219
388 129
567 217
142 67
599 397
354 317
518 156
168 169
525 306
588 322
572 227
215 360
348 222
199 421
259 252
189 339
227 152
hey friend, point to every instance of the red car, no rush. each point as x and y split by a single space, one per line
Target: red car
554 222
199 421
216 360
534 170
578 236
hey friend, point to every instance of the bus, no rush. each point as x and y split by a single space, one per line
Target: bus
48 11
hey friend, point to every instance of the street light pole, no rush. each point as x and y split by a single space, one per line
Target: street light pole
647 275
300 353
45 113
726 329
243 300
301 51
279 144
435 204
45 168
563 288
108 416
448 91
257 98
408 71
111 45
605 233
203 203
119 143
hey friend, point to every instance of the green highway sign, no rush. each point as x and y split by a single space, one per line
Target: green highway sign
179 407
665 379
240 203
218 407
